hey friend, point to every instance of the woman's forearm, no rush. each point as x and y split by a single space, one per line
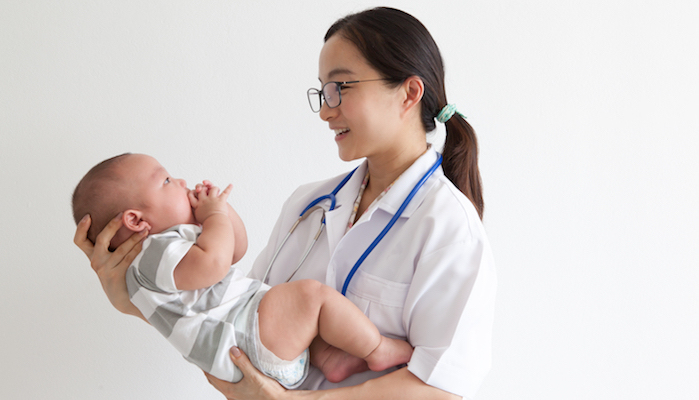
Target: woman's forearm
400 384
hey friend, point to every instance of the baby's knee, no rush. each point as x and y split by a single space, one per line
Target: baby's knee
309 289
302 292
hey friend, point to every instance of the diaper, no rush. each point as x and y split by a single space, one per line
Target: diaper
289 374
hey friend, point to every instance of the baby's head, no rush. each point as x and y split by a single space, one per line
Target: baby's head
138 186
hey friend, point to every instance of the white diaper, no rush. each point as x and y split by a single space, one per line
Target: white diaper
289 374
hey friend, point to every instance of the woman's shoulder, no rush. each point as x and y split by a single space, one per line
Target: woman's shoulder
449 209
449 197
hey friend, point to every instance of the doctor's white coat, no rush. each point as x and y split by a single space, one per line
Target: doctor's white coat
431 280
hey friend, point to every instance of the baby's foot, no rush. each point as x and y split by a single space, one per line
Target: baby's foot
336 364
389 353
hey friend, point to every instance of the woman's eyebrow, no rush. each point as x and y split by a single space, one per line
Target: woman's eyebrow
338 71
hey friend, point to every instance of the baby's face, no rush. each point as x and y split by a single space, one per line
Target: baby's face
164 198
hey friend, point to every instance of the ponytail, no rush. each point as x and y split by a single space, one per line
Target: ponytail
460 163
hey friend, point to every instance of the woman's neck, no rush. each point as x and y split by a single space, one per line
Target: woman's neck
384 170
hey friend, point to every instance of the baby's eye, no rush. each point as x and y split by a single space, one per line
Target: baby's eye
167 180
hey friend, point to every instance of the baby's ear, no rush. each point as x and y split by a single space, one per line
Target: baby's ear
133 221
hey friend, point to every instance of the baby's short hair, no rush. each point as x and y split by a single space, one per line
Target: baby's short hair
97 194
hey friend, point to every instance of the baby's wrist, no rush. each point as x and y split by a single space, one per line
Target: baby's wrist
214 213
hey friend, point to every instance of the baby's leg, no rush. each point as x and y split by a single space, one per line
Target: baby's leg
292 314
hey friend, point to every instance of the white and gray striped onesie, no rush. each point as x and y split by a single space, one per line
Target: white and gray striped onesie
204 324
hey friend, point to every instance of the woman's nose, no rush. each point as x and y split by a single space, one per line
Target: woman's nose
326 112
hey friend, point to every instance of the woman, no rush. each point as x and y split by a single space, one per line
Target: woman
431 279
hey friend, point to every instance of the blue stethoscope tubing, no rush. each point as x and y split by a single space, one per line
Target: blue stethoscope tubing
313 205
390 224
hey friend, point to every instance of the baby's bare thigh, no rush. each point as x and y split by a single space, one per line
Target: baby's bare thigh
288 315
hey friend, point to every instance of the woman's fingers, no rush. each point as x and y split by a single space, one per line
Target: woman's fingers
105 237
80 239
254 384
242 361
111 267
127 251
226 388
111 272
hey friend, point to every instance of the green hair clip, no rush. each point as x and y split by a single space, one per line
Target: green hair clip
447 112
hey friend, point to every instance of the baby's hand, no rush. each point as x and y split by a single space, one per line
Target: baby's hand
207 200
204 186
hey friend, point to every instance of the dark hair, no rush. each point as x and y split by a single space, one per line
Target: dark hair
95 195
398 46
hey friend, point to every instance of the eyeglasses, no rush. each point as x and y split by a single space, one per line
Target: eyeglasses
332 94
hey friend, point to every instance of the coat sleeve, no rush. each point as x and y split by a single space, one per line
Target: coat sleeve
449 314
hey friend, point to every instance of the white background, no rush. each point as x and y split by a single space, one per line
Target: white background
587 117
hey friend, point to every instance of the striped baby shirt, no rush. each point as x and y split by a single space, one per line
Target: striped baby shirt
201 324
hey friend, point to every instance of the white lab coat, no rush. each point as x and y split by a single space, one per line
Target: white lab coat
431 280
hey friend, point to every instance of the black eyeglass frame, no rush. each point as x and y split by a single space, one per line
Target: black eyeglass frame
321 96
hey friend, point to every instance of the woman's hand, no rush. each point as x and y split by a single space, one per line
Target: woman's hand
111 266
254 384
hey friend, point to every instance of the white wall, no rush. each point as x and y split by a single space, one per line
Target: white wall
587 118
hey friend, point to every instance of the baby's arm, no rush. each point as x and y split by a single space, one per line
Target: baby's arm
240 245
241 238
209 259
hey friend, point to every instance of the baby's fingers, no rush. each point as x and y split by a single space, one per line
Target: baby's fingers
227 191
193 199
214 191
204 186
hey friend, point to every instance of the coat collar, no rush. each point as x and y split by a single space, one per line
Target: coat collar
405 183
336 220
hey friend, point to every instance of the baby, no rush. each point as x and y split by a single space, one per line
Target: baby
183 283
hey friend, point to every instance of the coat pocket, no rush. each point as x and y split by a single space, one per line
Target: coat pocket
382 300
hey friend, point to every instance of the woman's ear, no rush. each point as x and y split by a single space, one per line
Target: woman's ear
414 89
133 221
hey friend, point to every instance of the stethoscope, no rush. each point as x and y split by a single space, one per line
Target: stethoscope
313 205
